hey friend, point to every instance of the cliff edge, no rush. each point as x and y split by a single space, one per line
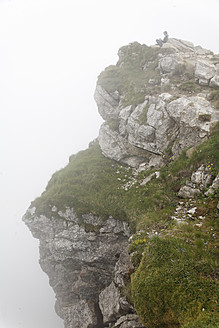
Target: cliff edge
127 229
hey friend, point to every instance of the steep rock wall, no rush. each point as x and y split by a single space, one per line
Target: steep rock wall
79 256
171 86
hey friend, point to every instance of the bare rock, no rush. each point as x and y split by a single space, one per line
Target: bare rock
179 45
129 321
79 264
122 269
109 303
213 187
202 177
188 192
204 71
168 63
107 103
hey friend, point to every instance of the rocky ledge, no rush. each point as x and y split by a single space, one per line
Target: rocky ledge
173 110
80 257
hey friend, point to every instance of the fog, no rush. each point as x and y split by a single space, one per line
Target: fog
51 52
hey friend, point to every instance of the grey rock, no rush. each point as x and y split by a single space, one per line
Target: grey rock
181 46
107 103
181 123
79 264
122 269
150 177
203 52
214 82
117 147
113 144
129 321
188 192
81 315
194 117
215 185
204 71
123 116
145 131
168 63
110 304
202 177
200 180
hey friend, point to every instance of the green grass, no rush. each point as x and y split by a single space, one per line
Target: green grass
174 283
88 183
190 86
91 183
204 321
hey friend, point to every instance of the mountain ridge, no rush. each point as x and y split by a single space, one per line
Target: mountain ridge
121 212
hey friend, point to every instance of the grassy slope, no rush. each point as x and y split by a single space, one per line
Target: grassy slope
175 275
175 281
93 183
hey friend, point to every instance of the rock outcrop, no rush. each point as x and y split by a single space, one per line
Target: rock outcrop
79 257
156 102
164 121
201 180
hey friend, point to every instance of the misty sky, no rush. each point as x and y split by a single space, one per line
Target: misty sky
51 52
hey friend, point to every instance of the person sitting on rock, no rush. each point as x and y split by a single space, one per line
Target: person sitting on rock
160 42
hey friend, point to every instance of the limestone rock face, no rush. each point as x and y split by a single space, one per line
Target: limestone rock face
79 256
173 114
107 103
180 123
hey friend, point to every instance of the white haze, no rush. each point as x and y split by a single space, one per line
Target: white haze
51 52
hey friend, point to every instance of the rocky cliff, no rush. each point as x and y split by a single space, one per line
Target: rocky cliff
154 100
97 215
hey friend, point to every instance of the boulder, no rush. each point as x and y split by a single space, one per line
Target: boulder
213 187
202 177
109 302
168 63
188 192
204 71
129 321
